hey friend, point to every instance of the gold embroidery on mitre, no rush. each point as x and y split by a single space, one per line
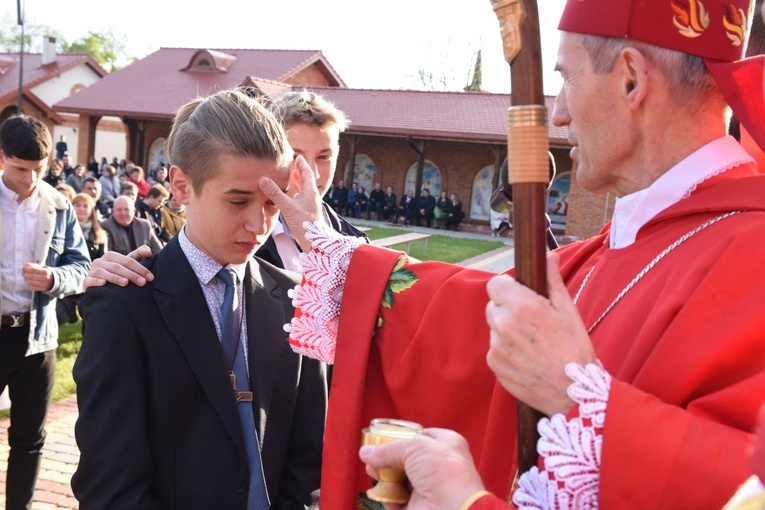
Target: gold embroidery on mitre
691 21
735 24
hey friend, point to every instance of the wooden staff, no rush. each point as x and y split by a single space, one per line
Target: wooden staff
528 171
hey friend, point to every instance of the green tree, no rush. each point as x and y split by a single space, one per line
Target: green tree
10 35
106 48
475 83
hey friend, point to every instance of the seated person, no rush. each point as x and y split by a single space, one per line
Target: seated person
425 208
455 214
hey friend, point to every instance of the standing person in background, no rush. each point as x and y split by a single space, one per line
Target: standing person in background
61 147
44 258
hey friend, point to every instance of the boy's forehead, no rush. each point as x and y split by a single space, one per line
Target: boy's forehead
298 129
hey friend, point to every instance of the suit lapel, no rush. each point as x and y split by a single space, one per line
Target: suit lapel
184 309
266 339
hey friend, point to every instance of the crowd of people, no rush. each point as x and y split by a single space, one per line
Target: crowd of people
147 215
445 212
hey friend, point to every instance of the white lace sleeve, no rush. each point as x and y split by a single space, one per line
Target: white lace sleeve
571 450
313 330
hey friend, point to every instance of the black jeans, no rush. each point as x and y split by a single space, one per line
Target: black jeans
30 383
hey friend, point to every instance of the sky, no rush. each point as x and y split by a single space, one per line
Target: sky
384 45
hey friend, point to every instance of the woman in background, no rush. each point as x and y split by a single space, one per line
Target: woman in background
95 235
455 215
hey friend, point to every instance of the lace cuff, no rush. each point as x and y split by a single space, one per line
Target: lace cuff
313 330
571 450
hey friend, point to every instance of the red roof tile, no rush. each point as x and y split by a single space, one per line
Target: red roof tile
156 86
36 73
469 116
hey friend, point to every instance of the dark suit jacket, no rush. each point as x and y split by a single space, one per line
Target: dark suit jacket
118 239
269 253
158 426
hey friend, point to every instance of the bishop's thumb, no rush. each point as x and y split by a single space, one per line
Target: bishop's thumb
556 289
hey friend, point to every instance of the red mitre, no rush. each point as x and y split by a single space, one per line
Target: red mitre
716 30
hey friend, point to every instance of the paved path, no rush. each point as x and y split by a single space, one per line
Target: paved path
60 457
60 454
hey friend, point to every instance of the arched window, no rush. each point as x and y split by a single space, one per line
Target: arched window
480 197
158 153
431 178
558 199
363 172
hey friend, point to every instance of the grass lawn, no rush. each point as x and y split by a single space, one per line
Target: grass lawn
443 248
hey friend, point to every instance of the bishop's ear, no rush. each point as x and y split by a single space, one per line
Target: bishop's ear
633 70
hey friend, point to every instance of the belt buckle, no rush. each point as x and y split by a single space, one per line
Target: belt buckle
17 320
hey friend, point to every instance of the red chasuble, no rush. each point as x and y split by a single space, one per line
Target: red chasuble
685 346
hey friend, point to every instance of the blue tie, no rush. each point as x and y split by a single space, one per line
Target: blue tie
233 349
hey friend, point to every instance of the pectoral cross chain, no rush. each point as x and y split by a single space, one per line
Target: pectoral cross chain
241 396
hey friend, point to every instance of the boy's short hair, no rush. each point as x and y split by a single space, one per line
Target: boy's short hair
128 185
158 191
228 122
25 137
307 107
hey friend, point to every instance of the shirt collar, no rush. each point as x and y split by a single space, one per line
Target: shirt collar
204 266
633 211
9 195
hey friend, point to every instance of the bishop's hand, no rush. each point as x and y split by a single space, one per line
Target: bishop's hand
296 208
533 338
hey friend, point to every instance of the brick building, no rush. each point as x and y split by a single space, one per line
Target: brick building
453 140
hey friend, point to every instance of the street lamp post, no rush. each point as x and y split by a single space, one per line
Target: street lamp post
20 12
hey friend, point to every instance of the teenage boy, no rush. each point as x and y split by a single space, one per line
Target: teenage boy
189 395
313 126
44 257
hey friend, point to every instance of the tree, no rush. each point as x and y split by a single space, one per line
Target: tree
105 48
10 35
475 83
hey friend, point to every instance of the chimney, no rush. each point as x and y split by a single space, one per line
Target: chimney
48 50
